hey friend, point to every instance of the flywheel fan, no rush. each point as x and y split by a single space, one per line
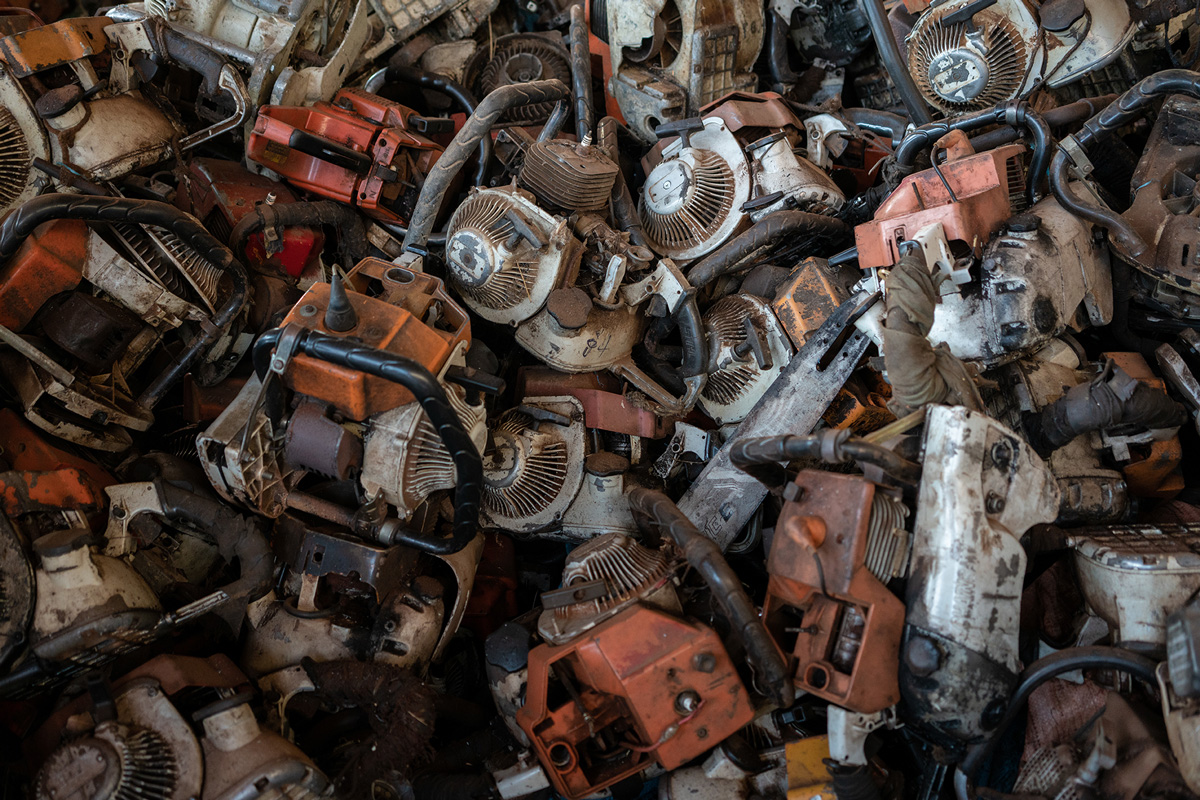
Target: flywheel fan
692 200
966 65
533 466
505 254
116 763
748 349
519 58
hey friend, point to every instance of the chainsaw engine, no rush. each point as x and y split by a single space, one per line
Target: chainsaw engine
141 743
629 682
959 658
344 599
722 172
358 149
293 54
94 602
671 57
92 305
344 424
967 55
836 546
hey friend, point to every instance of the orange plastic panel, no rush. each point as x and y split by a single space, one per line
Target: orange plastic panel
628 673
393 323
50 261
980 184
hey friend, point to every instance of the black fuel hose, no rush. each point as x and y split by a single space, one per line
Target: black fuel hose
1057 117
893 62
1016 114
477 126
22 222
770 230
624 210
834 446
351 232
581 74
1036 674
456 92
782 75
704 556
428 392
1121 112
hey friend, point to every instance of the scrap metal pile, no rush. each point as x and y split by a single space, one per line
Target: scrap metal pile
674 399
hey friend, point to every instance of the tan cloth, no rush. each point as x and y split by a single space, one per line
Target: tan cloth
920 373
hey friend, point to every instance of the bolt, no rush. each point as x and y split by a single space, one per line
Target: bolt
994 503
1001 455
702 733
118 512
922 656
793 493
704 662
308 310
687 702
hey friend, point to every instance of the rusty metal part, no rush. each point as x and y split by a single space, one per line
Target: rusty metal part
644 687
604 407
806 299
49 46
847 650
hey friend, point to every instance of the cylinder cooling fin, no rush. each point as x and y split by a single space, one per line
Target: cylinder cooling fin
22 139
629 572
567 175
405 459
692 200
